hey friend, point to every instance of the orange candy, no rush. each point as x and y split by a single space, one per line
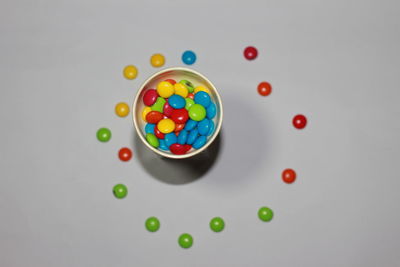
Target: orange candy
154 117
171 81
179 127
264 88
288 176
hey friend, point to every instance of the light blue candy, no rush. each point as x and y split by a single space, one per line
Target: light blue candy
199 142
190 124
170 139
182 137
212 127
204 126
202 98
149 128
211 111
163 145
192 136
176 101
188 57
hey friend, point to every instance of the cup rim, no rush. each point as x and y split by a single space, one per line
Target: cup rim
170 155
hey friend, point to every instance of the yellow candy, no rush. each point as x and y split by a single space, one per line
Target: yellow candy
144 112
181 90
130 72
165 89
157 60
122 109
166 126
201 88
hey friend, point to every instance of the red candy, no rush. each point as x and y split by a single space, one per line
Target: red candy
178 149
171 81
250 53
154 116
179 127
264 88
191 96
158 134
125 154
150 97
167 109
288 176
187 147
299 121
180 116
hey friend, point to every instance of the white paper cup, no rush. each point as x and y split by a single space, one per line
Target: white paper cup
177 74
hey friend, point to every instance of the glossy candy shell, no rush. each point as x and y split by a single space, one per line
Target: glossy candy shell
178 149
180 116
204 127
150 97
177 101
154 117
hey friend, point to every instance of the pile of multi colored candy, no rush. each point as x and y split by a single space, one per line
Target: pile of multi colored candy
179 116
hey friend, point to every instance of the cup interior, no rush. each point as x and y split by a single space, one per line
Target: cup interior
177 74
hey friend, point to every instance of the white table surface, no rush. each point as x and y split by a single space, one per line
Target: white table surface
337 62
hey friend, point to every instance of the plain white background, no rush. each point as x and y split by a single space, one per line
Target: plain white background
337 62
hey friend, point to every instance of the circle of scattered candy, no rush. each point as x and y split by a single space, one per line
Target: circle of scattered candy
103 134
217 224
157 60
299 121
152 224
122 109
265 214
250 52
264 88
125 154
177 122
130 72
189 57
120 191
288 176
158 138
185 240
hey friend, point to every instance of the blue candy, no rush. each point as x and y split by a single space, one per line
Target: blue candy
212 126
202 98
189 57
163 145
199 142
177 101
182 137
211 110
204 126
190 124
192 136
149 128
170 139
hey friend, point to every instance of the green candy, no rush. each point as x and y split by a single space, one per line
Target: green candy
159 105
152 140
120 191
185 240
188 85
197 112
152 224
217 224
189 103
265 214
103 134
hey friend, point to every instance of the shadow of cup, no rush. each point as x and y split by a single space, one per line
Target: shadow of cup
242 147
174 171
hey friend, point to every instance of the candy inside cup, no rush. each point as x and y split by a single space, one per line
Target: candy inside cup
176 74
